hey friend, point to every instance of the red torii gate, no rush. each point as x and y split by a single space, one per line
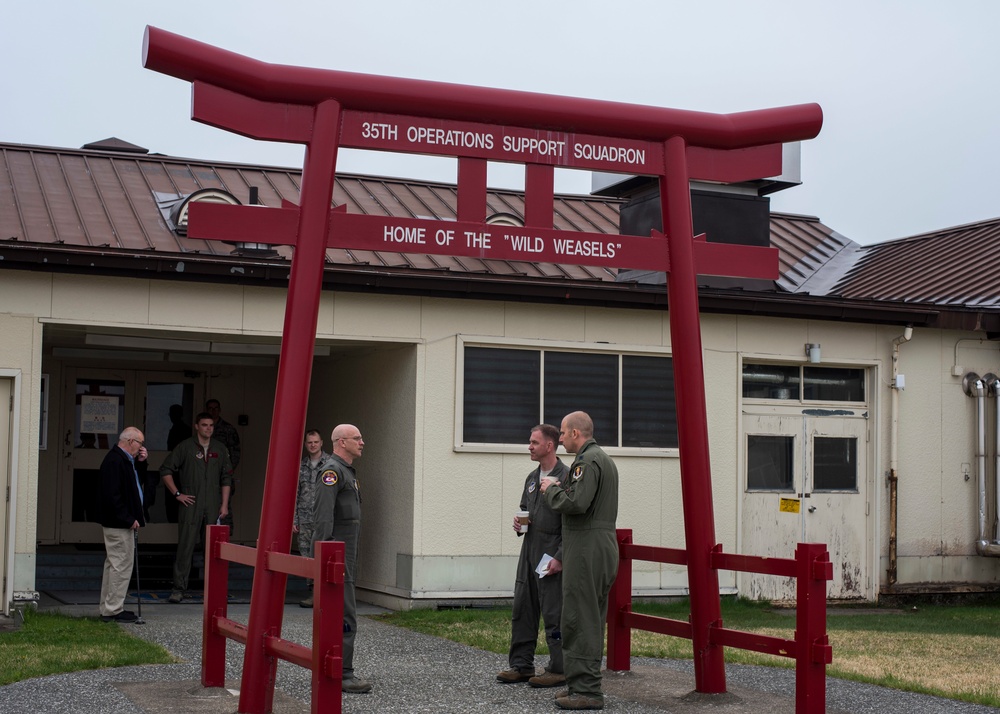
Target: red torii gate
326 109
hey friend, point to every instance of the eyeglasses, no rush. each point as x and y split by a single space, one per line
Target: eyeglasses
138 441
351 438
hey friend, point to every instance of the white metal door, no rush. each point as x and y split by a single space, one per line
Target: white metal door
835 504
805 480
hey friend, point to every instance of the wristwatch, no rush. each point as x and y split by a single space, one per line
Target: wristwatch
176 494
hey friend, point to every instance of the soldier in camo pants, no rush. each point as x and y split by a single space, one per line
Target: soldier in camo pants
305 501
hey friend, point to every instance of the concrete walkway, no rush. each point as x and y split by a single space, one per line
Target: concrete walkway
417 673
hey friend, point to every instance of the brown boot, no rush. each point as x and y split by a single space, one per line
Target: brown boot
548 679
514 675
308 602
579 701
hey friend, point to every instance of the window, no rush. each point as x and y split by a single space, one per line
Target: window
629 397
805 383
770 464
835 463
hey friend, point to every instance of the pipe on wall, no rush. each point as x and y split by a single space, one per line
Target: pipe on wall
976 386
894 452
984 546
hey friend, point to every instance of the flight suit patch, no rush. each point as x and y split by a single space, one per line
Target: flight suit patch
578 473
531 487
329 477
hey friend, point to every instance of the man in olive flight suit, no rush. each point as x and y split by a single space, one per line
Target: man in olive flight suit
534 595
588 502
198 474
337 516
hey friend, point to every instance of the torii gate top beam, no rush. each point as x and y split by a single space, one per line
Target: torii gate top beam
195 61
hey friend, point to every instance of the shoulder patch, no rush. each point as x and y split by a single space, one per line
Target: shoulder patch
329 477
578 473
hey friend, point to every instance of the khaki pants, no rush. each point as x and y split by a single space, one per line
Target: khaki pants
120 547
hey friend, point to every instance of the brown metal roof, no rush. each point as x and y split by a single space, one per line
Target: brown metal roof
74 209
954 266
107 196
113 199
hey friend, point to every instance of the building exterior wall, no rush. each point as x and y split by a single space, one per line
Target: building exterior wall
20 357
437 513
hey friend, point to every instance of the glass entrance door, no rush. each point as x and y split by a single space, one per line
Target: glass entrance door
99 404
169 404
94 414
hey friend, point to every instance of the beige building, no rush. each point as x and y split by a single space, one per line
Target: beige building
837 396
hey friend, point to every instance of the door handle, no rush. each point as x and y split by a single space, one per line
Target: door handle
812 509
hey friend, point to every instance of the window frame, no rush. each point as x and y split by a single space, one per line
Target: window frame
620 350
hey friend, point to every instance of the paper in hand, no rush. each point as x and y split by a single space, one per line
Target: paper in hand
543 565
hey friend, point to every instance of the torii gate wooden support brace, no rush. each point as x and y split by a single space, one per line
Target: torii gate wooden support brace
326 109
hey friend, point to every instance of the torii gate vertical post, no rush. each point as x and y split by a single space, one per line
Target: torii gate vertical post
289 416
692 426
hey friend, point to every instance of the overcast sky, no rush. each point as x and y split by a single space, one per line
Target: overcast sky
909 89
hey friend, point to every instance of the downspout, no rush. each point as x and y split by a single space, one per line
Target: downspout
983 545
895 386
975 386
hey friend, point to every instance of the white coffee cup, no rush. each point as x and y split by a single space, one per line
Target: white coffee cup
523 517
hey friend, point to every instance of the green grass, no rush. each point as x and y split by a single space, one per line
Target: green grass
49 643
947 651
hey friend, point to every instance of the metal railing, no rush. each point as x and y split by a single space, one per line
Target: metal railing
812 569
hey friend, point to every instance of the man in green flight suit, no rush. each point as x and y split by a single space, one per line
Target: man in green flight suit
337 516
198 474
588 502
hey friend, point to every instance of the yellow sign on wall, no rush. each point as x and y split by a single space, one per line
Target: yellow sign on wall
789 505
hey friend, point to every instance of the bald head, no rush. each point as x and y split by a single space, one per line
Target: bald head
347 442
576 429
582 422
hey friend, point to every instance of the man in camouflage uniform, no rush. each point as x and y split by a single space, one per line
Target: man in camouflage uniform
305 499
534 595
197 474
588 502
337 516
227 434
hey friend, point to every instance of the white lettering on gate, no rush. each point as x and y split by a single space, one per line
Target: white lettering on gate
404 234
586 248
374 130
527 244
449 137
532 145
613 154
474 239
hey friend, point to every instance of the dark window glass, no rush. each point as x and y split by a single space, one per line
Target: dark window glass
649 416
770 462
501 395
579 381
169 412
835 463
833 384
770 381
